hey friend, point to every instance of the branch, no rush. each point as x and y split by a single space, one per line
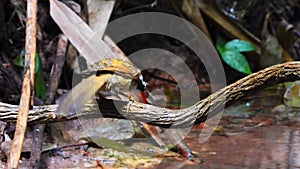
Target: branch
289 71
28 84
56 72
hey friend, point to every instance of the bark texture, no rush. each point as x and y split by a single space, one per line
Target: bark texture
163 117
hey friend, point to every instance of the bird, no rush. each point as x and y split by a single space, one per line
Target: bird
107 77
112 77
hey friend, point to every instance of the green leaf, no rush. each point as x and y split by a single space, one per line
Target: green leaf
220 45
19 60
237 61
38 63
40 87
239 46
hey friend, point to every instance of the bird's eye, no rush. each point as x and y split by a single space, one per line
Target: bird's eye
141 84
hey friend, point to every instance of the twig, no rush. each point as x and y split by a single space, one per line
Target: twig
28 84
289 71
54 80
57 68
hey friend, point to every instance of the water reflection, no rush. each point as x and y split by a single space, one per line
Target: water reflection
251 135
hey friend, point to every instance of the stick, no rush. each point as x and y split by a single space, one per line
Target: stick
163 117
54 80
28 84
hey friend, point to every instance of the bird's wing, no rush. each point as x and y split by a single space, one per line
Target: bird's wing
84 92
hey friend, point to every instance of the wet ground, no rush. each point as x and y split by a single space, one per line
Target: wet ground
254 133
263 147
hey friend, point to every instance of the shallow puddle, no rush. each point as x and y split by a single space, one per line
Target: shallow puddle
262 147
250 135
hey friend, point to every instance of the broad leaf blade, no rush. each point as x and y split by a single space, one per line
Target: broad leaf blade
99 15
40 87
239 46
79 33
220 45
237 61
19 60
